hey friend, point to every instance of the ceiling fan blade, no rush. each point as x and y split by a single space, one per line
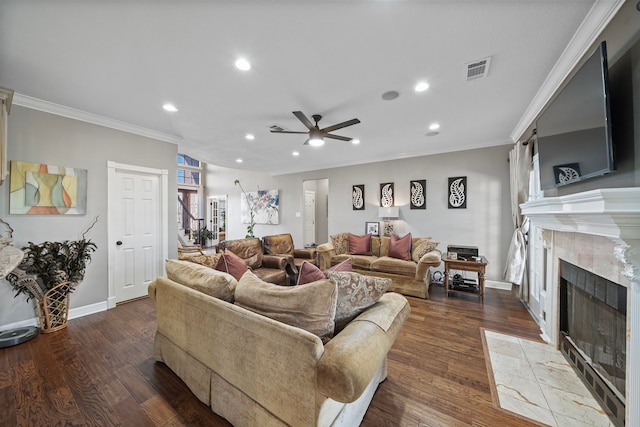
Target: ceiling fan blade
305 121
340 125
341 138
306 142
287 131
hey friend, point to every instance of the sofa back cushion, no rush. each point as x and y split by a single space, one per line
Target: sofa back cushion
384 245
250 250
421 246
209 260
232 264
375 245
359 245
311 307
356 293
340 243
400 247
201 278
279 244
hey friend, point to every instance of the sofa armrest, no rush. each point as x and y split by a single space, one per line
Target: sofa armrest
279 262
151 290
304 253
325 252
352 358
430 259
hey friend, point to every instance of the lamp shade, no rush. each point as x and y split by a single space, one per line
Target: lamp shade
388 212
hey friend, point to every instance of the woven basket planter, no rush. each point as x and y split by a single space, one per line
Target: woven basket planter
53 308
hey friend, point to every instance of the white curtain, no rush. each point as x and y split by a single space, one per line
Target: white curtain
3 141
519 169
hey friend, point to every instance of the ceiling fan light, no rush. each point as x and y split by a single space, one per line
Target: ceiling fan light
316 141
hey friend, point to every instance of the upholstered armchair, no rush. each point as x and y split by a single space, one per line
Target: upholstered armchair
270 268
282 245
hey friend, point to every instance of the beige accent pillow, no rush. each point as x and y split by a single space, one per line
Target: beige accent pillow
422 247
356 293
201 278
340 243
210 260
311 307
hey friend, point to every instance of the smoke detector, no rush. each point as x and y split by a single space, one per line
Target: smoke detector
478 69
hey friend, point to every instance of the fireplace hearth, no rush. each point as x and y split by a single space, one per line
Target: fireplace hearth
593 335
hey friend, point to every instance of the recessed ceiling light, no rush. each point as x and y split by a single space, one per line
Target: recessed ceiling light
434 126
355 141
238 160
295 153
170 107
421 86
243 64
250 136
390 95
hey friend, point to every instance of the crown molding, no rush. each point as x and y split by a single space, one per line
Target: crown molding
72 113
593 25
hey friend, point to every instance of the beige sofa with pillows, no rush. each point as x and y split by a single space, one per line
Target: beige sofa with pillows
260 354
405 260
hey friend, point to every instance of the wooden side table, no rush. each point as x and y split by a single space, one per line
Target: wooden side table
472 266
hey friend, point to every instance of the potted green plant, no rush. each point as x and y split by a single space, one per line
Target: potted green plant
205 234
251 207
48 273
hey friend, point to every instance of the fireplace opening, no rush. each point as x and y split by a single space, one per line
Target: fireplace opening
593 324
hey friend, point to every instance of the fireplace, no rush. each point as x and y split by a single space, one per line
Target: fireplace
597 231
593 324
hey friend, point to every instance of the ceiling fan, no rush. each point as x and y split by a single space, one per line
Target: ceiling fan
317 135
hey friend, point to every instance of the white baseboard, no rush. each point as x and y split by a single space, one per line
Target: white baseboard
73 314
494 284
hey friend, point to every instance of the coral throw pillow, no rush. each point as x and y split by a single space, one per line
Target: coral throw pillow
359 245
309 273
232 264
400 247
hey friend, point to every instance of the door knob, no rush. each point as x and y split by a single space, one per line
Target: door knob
119 243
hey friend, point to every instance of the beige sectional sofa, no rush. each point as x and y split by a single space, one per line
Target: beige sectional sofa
256 371
409 277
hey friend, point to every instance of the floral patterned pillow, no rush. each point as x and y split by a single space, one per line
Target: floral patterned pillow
340 243
422 247
356 293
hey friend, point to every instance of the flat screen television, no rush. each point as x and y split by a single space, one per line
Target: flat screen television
574 131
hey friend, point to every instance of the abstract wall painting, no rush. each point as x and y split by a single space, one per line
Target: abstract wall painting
265 205
357 197
418 191
458 192
386 194
41 189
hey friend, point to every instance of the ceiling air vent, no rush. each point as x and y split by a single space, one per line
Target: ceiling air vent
478 69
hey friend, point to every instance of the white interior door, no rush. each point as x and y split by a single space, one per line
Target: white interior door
137 230
309 217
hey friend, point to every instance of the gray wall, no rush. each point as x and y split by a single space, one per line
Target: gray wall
485 223
39 137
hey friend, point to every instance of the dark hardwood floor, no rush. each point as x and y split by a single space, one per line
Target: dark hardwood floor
100 371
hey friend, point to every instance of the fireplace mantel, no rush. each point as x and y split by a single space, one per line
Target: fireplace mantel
609 212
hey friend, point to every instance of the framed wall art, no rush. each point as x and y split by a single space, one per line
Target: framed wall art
265 204
372 228
357 197
41 189
458 192
418 192
386 194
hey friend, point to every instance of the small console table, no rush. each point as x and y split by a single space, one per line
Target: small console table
472 266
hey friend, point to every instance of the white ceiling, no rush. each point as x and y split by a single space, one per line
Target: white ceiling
124 59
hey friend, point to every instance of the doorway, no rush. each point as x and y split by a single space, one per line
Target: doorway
316 211
137 229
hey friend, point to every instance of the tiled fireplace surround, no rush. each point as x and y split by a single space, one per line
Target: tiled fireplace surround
597 230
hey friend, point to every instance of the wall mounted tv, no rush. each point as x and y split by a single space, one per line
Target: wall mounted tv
574 131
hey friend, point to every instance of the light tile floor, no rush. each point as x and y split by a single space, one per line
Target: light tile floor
534 380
